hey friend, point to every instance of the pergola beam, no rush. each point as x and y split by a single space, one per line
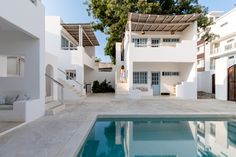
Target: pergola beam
161 24
88 37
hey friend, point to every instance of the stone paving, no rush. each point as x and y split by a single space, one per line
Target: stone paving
63 134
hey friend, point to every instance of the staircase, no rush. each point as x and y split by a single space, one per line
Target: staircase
71 89
121 88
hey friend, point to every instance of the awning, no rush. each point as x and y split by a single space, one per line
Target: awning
152 22
89 38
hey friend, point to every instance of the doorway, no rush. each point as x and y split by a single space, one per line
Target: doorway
156 83
213 84
232 83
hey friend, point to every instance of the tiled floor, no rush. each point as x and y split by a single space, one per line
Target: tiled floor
63 134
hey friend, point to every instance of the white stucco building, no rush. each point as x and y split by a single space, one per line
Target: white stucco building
205 73
159 56
21 60
219 73
70 53
70 59
223 56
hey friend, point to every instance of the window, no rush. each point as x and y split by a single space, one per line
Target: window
230 40
198 62
213 129
155 42
170 73
105 69
12 66
70 74
140 42
64 43
224 24
67 45
72 46
228 47
171 40
201 129
140 77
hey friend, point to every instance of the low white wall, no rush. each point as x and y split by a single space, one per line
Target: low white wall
186 90
23 111
183 52
204 81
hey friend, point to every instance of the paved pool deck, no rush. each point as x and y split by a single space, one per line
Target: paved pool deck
63 134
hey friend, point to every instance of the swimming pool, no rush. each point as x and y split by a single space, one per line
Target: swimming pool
161 138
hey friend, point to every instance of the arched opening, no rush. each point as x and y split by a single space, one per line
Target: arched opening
49 83
232 83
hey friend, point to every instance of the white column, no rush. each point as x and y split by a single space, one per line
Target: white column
130 30
130 75
149 42
80 36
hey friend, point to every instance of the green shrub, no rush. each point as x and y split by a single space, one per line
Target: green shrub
103 87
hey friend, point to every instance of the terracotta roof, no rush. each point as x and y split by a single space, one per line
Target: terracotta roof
89 38
152 22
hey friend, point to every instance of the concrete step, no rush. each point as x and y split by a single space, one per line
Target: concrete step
122 93
54 110
54 107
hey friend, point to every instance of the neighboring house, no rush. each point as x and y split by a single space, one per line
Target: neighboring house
223 56
219 73
158 54
205 73
70 54
21 60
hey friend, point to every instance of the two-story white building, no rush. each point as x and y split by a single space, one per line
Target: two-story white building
70 55
21 60
158 55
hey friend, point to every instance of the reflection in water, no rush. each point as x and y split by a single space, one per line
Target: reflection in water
157 138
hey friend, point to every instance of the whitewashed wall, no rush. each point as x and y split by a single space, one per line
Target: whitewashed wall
25 37
204 81
93 75
221 78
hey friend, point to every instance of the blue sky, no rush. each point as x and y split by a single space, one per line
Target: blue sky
74 11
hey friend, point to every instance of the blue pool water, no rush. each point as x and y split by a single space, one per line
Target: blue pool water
161 138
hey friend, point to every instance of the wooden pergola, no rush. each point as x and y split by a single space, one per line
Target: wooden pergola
166 23
82 32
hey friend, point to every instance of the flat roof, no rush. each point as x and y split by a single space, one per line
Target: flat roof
89 38
153 22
